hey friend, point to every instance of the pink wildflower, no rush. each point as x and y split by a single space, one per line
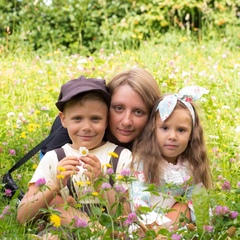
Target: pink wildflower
125 172
110 171
226 186
233 215
8 192
80 222
40 182
208 228
12 152
106 185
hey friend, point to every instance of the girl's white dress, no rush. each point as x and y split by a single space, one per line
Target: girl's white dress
175 185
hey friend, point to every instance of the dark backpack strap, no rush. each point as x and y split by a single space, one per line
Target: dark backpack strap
60 155
33 151
118 151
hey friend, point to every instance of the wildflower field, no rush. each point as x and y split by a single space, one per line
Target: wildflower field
29 87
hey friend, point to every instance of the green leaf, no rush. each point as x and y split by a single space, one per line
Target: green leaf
201 204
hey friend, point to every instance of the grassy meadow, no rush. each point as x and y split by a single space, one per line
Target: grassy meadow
29 87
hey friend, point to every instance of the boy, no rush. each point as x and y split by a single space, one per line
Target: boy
83 104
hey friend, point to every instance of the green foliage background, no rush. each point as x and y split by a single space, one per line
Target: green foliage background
88 25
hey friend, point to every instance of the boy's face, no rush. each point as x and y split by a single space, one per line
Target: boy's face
86 123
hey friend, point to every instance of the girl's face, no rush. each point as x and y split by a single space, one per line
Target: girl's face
128 114
174 134
86 123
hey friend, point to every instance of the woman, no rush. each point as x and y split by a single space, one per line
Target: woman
133 94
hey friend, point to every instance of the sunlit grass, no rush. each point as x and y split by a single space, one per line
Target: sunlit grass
29 87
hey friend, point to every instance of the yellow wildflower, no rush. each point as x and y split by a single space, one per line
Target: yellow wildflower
55 220
88 182
60 176
108 165
120 177
61 169
34 166
80 183
95 194
113 154
23 135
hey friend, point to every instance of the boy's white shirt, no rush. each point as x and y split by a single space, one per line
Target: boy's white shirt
47 167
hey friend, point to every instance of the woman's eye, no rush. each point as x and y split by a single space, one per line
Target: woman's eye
138 112
118 108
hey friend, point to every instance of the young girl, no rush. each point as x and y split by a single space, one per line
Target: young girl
170 154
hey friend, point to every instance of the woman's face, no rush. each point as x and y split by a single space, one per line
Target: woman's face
128 114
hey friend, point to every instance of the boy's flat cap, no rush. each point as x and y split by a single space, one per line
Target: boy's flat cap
82 85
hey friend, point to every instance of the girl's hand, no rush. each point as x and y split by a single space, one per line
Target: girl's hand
92 165
67 167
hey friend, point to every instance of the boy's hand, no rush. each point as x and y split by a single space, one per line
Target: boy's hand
92 165
67 167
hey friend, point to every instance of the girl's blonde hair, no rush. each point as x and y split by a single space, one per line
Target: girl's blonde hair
141 81
147 150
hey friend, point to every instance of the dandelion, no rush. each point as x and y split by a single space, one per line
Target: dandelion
108 165
83 151
60 176
40 182
34 166
61 169
80 222
80 183
113 154
119 177
95 194
23 135
125 172
12 152
106 186
8 192
55 220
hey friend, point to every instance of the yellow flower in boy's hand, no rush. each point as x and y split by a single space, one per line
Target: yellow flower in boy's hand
60 176
61 169
83 151
55 220
113 154
95 194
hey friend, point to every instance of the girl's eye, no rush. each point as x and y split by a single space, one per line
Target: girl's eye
164 128
181 130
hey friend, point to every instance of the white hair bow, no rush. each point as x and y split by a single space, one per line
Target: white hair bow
185 95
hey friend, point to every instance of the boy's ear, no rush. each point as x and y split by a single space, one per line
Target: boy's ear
62 118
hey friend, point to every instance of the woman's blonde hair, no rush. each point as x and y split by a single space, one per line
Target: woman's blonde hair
141 81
